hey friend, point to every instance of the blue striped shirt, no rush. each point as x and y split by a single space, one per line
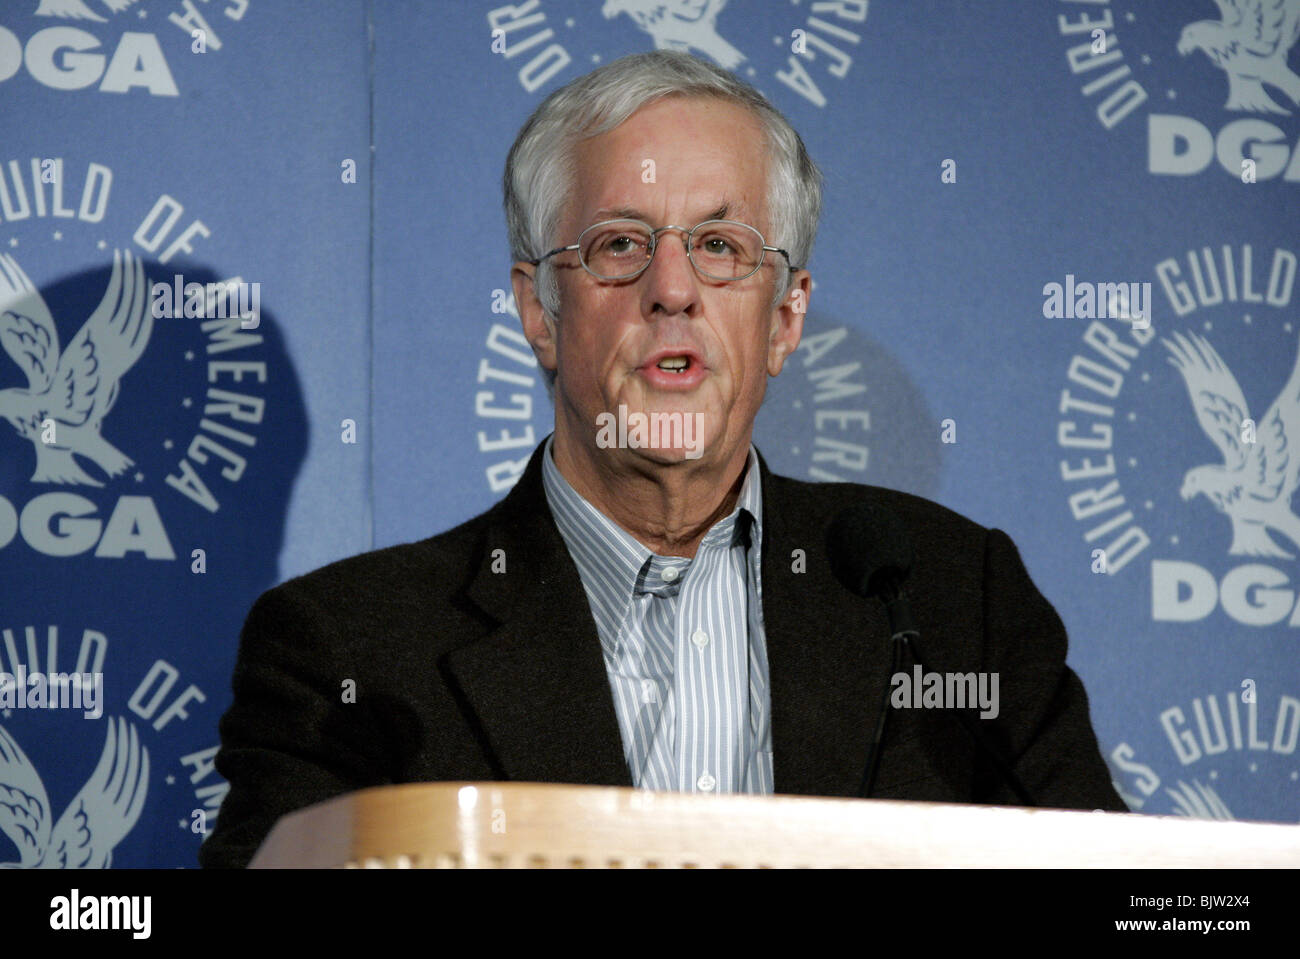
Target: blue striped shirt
682 640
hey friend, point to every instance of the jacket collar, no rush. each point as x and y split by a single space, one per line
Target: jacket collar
537 684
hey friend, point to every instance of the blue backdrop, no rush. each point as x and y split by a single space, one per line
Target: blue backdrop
347 156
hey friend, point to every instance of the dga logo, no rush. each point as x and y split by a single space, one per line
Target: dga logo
77 9
1215 80
1143 410
812 46
100 816
1217 744
62 56
108 804
71 391
82 368
690 25
1250 45
1254 484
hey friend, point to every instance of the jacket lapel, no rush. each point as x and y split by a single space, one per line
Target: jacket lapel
828 650
537 681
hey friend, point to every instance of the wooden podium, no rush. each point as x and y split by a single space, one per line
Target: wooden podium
546 825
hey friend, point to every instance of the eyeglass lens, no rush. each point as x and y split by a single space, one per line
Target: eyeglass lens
719 248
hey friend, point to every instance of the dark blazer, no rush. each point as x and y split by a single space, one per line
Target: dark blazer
463 673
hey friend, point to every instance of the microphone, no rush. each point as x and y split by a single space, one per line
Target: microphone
871 554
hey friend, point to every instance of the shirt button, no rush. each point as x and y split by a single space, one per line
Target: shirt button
700 638
706 783
669 574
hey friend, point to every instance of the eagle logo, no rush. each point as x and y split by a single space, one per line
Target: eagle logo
77 9
1199 803
683 25
1259 474
99 817
74 390
1250 44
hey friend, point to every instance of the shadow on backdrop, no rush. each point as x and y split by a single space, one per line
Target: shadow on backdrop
146 466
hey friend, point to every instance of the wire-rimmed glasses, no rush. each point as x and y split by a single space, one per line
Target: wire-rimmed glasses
726 250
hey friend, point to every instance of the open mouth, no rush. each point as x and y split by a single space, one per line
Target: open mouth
674 364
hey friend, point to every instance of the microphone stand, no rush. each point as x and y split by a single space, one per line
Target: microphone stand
905 634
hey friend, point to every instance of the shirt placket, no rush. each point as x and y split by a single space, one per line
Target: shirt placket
705 761
660 593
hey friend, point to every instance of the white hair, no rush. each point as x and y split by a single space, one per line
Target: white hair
539 170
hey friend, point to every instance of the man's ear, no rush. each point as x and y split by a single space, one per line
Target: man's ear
787 322
539 329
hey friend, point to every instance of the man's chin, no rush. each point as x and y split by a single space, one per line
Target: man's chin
668 456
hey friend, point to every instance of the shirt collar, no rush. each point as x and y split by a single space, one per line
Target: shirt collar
611 561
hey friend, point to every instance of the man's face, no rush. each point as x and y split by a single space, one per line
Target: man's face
707 154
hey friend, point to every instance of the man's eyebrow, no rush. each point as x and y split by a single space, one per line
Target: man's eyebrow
630 213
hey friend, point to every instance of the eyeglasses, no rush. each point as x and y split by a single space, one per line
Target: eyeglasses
718 249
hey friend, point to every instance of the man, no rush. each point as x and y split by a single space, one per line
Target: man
650 607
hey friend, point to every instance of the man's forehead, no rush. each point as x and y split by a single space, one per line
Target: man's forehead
717 181
724 210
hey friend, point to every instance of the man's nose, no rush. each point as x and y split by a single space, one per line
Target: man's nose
671 285
670 257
